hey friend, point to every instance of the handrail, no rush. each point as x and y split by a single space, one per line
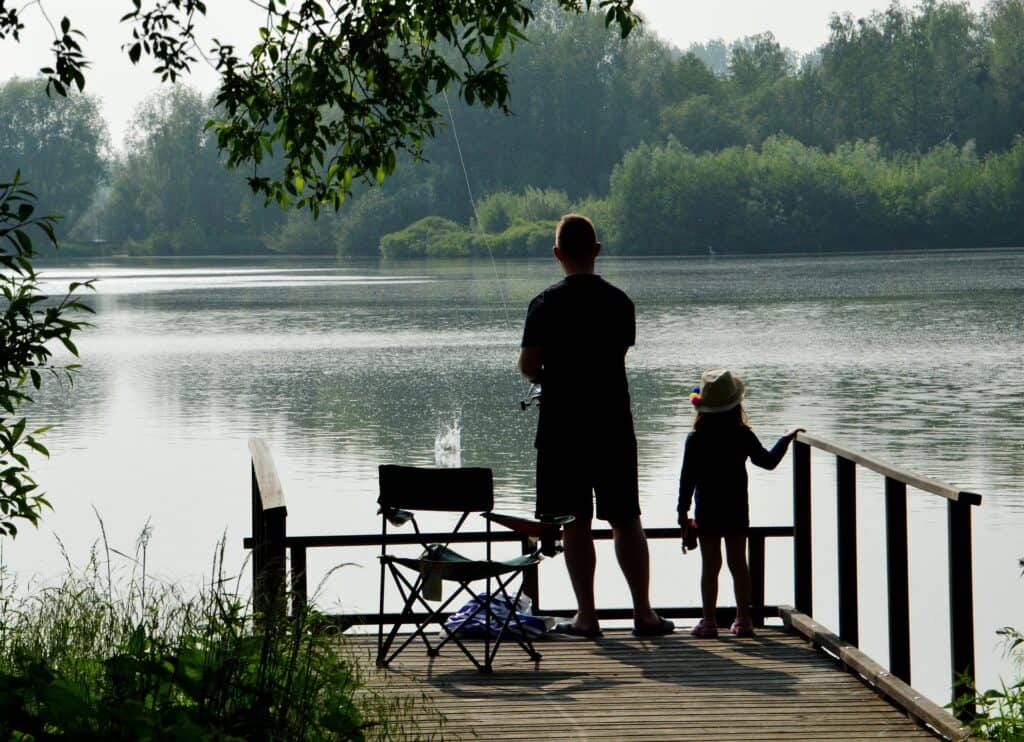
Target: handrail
959 506
926 484
465 537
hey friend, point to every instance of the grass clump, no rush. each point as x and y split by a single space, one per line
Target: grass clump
103 655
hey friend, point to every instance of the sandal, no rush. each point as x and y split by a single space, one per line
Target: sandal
704 630
664 626
742 627
568 629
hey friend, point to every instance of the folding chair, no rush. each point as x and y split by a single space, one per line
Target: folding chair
404 489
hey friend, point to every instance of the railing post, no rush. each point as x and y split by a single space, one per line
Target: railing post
300 592
755 555
257 538
846 542
273 571
531 582
961 603
897 567
802 572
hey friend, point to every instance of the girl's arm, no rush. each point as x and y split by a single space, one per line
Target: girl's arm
769 459
687 479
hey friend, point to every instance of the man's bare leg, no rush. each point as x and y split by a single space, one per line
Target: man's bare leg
581 561
635 562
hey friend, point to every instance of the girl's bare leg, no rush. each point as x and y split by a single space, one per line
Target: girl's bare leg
711 565
736 556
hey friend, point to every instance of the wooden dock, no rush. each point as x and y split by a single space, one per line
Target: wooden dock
801 682
773 686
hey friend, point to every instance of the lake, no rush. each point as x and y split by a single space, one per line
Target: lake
915 358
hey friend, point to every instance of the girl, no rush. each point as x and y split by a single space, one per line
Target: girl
714 465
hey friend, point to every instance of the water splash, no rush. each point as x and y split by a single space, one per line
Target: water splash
448 445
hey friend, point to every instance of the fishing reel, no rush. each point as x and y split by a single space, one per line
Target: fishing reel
532 398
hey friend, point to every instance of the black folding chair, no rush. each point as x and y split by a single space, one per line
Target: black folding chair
404 489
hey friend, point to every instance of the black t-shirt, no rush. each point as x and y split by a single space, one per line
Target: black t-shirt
584 326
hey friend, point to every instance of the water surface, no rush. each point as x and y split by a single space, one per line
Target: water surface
914 358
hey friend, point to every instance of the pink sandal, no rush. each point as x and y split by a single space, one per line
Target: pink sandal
742 627
705 630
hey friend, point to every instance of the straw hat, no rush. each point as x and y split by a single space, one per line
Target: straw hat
719 391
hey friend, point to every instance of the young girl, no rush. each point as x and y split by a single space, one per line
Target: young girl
715 466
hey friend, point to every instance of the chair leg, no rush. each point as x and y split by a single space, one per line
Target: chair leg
384 645
412 597
522 638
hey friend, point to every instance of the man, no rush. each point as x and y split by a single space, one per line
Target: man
574 344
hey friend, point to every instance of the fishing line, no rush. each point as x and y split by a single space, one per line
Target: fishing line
476 216
532 395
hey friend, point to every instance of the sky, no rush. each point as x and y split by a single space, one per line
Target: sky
799 24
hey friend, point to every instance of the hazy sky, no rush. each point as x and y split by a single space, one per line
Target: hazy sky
800 24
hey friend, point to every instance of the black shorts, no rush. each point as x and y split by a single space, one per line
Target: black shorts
569 481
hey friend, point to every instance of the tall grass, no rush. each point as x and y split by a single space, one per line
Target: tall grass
110 653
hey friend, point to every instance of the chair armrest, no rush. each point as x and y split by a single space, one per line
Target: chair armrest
395 516
530 526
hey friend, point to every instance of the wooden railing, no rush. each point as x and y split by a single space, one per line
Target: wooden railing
959 546
273 550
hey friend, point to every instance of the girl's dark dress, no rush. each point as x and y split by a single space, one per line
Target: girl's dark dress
715 467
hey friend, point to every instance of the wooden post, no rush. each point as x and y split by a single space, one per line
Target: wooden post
274 572
755 555
846 518
300 592
802 572
897 567
257 538
531 584
269 520
961 602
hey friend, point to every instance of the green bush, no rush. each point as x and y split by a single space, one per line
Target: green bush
525 239
96 657
496 212
432 235
542 204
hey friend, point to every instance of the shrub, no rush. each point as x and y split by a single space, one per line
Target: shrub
496 212
99 658
525 239
428 236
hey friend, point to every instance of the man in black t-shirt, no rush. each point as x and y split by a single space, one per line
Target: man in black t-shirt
575 342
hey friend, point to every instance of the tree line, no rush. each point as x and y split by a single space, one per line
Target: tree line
902 130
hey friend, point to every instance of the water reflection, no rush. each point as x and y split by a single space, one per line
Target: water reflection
915 358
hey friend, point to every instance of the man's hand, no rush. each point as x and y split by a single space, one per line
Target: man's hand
531 362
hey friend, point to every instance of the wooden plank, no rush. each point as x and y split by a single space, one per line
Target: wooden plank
773 686
266 474
895 689
925 484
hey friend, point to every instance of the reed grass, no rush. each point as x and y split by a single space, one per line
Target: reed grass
109 652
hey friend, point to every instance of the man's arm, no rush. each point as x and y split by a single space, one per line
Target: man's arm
531 362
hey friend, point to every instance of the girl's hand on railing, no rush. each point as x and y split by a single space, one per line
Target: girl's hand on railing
791 433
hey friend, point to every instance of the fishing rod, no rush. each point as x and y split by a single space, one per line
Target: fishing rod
532 397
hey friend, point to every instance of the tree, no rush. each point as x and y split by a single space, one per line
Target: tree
172 192
29 326
333 92
59 140
338 88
